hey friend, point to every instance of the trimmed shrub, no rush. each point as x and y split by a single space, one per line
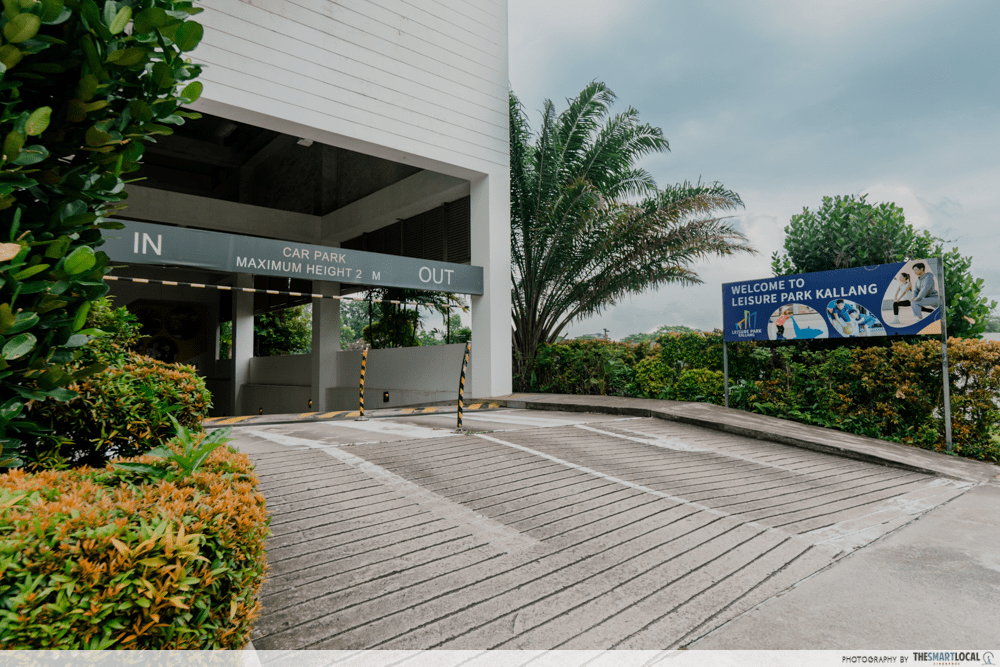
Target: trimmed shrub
881 388
586 367
123 410
700 384
654 379
101 558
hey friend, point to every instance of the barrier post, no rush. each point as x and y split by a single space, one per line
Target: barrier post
461 384
361 393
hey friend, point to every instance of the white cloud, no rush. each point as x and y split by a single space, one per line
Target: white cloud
914 208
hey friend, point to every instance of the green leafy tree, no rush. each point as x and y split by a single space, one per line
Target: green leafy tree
650 337
84 84
354 317
992 322
452 332
285 331
588 226
398 320
847 231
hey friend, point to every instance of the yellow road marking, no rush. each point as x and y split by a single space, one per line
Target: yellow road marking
305 414
235 420
328 415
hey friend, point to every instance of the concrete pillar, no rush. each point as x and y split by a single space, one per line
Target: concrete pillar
490 365
242 342
325 343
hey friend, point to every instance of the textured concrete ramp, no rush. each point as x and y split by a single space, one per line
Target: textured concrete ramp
634 533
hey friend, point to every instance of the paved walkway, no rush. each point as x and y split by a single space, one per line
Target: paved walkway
567 530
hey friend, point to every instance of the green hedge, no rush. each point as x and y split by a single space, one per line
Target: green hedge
884 389
123 410
101 558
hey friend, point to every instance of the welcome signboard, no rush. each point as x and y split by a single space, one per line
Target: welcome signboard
883 300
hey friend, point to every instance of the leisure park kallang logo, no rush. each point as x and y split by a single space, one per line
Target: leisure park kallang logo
747 327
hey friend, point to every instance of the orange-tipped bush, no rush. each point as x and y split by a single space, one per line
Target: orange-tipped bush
88 560
121 411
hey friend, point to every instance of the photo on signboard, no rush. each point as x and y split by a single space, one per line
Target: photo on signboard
852 320
913 295
796 321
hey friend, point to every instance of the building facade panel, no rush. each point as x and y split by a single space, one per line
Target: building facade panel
348 44
246 39
289 76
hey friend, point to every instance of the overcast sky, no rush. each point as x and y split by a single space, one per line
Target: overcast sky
786 102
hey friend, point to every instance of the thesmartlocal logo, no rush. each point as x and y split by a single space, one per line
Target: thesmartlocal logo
954 657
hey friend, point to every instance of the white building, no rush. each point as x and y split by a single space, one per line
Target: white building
377 125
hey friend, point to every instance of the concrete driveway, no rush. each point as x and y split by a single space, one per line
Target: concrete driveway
545 530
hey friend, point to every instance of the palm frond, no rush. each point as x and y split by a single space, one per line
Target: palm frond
577 245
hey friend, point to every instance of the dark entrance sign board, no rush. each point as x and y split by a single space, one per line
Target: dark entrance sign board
905 298
883 300
145 243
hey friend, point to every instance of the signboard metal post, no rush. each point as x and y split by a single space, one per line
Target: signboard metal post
725 352
725 371
945 380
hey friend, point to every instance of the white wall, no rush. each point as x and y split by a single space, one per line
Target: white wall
422 83
411 375
292 369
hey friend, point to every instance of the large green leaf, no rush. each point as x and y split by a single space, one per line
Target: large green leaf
31 155
22 28
52 10
127 57
120 20
23 322
87 87
18 346
10 56
147 19
52 378
81 316
163 75
188 35
38 121
12 144
12 408
192 91
7 318
30 271
140 111
80 260
95 136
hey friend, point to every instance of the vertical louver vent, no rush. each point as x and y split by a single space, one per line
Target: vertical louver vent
441 234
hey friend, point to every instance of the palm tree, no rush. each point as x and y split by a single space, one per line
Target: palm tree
588 226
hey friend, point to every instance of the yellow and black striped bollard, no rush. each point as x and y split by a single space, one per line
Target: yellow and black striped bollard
461 384
361 391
